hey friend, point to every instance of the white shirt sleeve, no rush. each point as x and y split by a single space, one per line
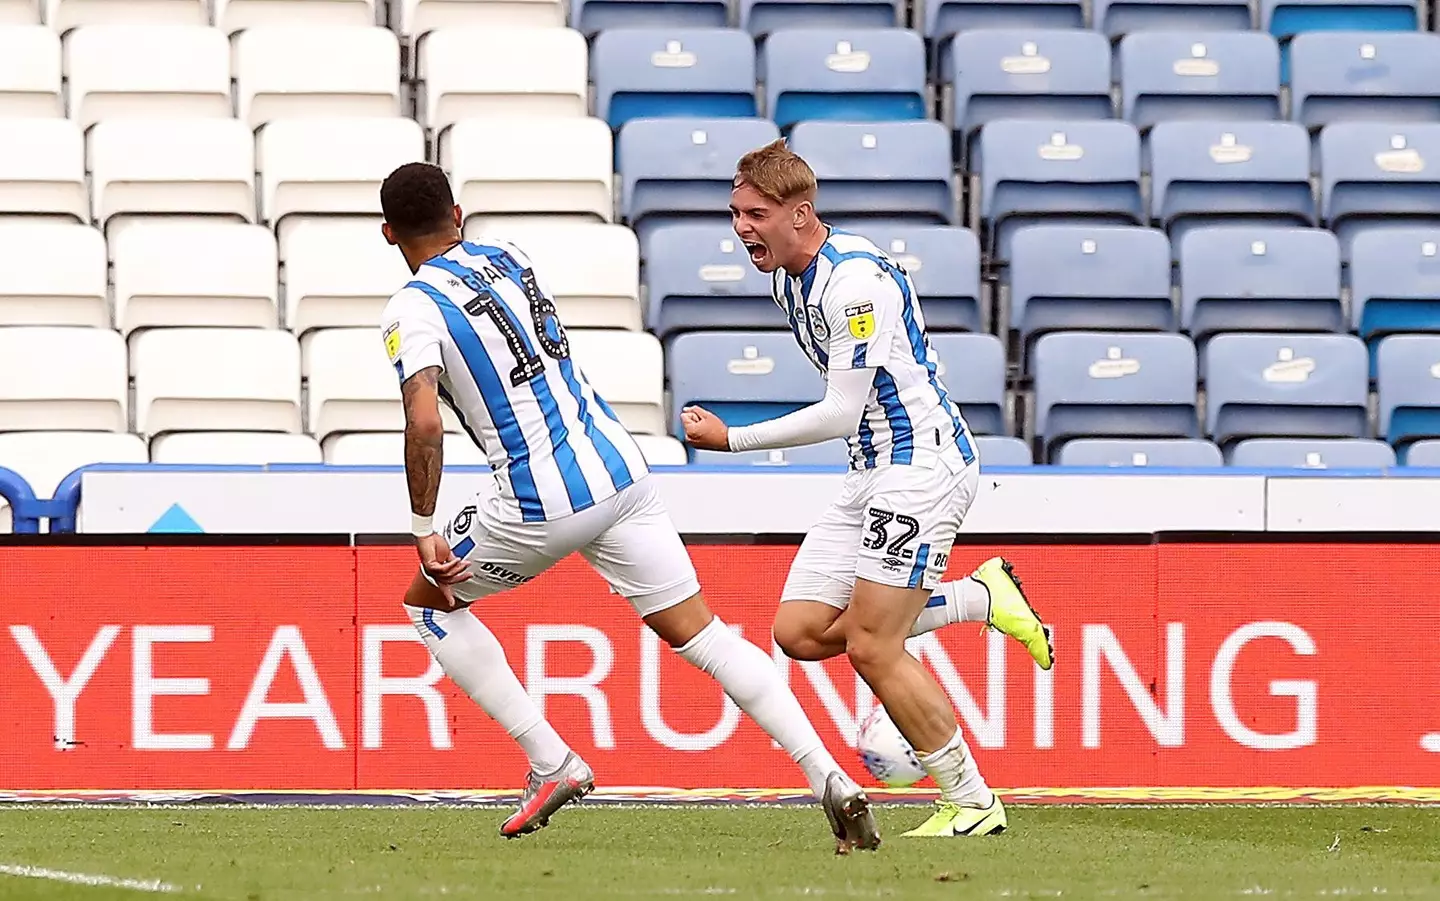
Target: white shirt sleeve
836 415
862 307
412 329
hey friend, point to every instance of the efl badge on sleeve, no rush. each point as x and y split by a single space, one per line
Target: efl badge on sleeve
392 342
861 319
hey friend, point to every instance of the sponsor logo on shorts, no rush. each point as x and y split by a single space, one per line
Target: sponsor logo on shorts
496 573
892 564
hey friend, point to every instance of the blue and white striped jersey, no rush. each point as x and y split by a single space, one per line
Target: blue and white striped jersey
856 308
481 313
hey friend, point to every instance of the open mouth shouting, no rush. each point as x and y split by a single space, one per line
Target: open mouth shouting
758 253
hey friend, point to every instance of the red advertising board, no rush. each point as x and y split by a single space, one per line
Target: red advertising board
232 668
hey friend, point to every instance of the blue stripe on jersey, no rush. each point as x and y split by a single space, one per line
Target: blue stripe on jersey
465 547
867 443
917 572
936 600
902 433
794 313
429 619
576 488
492 394
857 360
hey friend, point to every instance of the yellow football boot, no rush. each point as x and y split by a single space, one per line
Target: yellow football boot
952 819
1011 613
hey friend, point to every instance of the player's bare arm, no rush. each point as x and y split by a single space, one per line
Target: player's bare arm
424 462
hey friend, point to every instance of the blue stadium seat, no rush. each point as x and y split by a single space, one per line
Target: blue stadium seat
593 16
1424 453
1395 281
1373 76
899 171
1312 453
742 377
1374 175
1242 278
1025 74
827 453
1178 452
1118 17
1287 18
999 450
973 370
761 17
1077 277
1408 383
1217 76
1285 386
699 277
1093 384
945 18
1071 171
1235 172
653 72
854 75
674 169
944 264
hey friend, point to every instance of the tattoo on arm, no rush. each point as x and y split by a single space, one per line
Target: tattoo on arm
423 441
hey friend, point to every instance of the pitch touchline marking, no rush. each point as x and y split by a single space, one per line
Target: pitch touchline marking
139 885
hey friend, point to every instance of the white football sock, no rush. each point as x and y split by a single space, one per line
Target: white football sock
954 770
964 600
472 657
750 678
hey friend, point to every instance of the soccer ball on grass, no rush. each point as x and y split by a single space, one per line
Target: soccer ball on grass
886 753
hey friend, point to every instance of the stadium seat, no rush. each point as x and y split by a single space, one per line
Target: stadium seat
698 277
1374 76
852 75
594 16
1285 386
338 272
20 12
29 72
661 450
833 453
761 17
627 370
944 264
1221 76
44 459
1425 453
482 73
42 169
52 273
591 271
554 166
1378 176
1083 277
276 75
229 379
388 449
1395 282
675 169
1092 384
148 71
332 165
1119 452
87 394
895 171
1031 171
1312 453
234 448
352 384
418 17
972 368
191 166
742 377
1408 382
1259 279
1024 74
1205 173
169 273
63 15
999 450
234 15
643 73
1114 18
944 18
1289 18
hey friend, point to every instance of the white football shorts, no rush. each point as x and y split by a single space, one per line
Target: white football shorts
628 538
893 525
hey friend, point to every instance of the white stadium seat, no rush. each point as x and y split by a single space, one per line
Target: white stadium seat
234 15
52 273
662 450
172 166
338 273
197 379
591 270
63 15
420 16
326 166
353 387
44 459
317 71
20 12
627 369
62 379
480 73
234 448
42 169
147 71
505 166
388 449
194 272
29 72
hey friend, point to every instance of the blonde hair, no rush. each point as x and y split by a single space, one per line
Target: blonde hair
777 172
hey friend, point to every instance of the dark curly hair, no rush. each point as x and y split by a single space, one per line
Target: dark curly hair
416 200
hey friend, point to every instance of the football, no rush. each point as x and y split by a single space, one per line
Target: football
886 753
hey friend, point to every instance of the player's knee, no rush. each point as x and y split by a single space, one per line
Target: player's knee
797 640
870 652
